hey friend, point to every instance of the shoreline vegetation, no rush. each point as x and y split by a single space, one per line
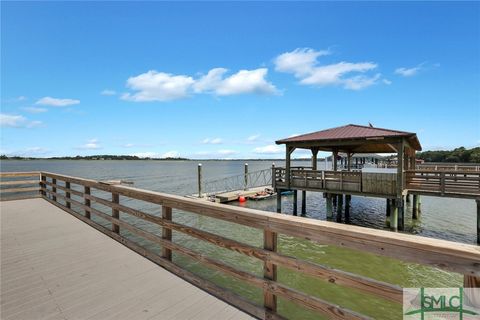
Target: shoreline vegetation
457 155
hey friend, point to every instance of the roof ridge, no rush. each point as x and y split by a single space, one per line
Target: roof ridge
368 127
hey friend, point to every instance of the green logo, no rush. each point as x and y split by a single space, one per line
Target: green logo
449 303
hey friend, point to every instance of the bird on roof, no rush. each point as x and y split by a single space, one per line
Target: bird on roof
370 125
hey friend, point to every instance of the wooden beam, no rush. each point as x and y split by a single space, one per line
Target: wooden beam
166 232
270 270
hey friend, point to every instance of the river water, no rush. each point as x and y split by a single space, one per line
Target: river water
442 218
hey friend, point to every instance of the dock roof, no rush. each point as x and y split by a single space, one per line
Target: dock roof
353 137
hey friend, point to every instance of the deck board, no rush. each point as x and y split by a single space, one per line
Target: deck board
53 266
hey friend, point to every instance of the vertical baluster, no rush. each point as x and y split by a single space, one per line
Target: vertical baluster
67 194
54 189
115 212
86 192
43 185
167 232
270 270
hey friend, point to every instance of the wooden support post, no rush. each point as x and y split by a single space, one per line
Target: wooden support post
279 200
304 202
67 195
314 159
245 183
407 198
394 215
334 160
54 189
415 207
400 175
349 161
329 203
273 176
86 191
289 151
167 232
270 270
334 199
339 207
115 213
199 180
295 202
478 221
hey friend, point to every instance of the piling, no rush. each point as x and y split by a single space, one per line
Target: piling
245 186
339 207
478 221
304 202
348 199
415 207
394 215
199 180
401 210
295 202
279 200
329 202
387 213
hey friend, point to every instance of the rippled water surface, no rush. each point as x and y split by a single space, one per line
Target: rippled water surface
451 219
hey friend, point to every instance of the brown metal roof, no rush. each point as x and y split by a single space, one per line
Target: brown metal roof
355 132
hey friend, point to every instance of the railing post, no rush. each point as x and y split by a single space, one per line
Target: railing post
43 179
442 183
67 194
167 232
115 212
245 186
199 180
270 270
86 192
274 177
54 189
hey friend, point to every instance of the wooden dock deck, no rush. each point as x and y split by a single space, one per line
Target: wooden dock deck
54 267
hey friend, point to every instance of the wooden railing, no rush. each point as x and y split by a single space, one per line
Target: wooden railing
449 167
19 185
354 182
446 183
79 197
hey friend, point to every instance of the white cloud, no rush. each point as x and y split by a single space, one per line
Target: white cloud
269 149
226 152
242 82
35 109
212 141
361 82
303 63
294 135
91 144
387 82
147 154
253 138
158 86
17 121
171 154
300 61
128 145
108 92
55 102
408 72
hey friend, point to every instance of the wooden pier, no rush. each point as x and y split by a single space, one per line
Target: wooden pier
50 267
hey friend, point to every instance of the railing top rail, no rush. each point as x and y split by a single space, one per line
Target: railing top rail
458 257
19 174
460 172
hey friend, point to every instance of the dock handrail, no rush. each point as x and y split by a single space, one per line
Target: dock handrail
19 185
456 257
252 179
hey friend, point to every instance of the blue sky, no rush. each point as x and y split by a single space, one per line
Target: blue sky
225 80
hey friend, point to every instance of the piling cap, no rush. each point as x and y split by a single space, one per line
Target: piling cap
199 164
